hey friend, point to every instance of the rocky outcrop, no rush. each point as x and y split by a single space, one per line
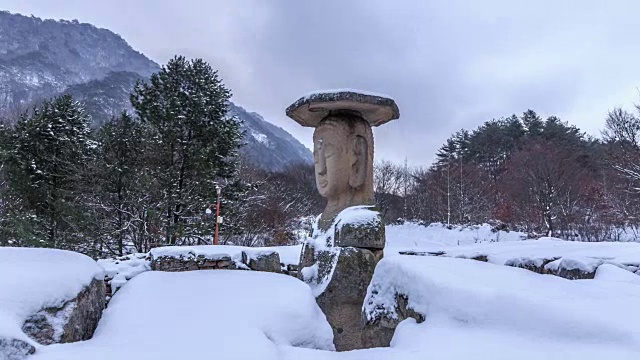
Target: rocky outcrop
13 349
75 320
378 330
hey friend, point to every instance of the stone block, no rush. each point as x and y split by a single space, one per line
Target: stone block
79 317
378 331
342 299
368 233
267 262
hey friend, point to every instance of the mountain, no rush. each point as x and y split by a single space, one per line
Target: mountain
268 145
43 58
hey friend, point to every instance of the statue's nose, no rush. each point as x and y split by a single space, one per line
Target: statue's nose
321 166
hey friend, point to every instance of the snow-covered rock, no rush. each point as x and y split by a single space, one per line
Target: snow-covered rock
547 316
47 296
204 314
568 259
283 259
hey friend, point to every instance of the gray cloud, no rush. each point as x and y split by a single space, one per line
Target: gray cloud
449 64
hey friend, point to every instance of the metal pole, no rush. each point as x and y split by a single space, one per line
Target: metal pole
215 240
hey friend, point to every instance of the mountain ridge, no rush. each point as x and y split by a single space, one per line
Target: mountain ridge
44 58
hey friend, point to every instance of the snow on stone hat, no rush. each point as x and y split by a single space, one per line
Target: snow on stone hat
310 109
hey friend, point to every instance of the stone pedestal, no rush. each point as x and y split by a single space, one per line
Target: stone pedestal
338 264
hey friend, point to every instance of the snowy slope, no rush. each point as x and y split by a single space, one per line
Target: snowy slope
267 145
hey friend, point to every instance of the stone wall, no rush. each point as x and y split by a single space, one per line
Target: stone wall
264 261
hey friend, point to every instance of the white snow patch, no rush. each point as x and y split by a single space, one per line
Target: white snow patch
337 91
357 215
122 269
609 272
33 279
260 137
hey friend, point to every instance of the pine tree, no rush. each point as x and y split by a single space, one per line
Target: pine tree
122 185
533 123
52 148
193 142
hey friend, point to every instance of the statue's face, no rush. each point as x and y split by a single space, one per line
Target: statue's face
332 163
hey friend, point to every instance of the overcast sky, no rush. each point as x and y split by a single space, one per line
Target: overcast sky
448 64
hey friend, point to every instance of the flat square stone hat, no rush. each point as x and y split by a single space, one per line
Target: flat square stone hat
310 109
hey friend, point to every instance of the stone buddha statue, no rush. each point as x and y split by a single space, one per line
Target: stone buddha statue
340 270
343 157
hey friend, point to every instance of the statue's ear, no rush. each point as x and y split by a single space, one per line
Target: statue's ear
359 163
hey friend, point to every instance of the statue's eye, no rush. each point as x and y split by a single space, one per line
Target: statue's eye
329 151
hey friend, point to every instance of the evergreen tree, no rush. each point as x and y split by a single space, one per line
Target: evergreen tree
122 185
533 123
52 148
193 141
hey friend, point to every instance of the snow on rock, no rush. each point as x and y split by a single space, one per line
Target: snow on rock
568 259
473 307
609 272
185 258
357 215
316 93
35 279
288 254
551 248
204 314
121 269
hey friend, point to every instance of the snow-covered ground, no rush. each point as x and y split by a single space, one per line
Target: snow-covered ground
203 315
474 310
436 236
32 279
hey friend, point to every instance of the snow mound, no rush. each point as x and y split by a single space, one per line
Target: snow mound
609 272
204 314
32 279
504 310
